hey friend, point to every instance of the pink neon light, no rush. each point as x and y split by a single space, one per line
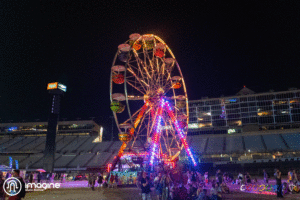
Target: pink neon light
157 132
180 132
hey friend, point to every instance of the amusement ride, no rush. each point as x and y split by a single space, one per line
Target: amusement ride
149 101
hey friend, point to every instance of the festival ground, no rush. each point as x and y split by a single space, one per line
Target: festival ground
79 191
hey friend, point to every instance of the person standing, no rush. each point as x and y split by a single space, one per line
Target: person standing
145 186
206 178
111 180
31 178
116 180
22 193
248 178
2 193
278 183
158 186
166 182
93 180
214 192
219 177
189 176
240 178
266 177
290 176
39 176
100 180
294 177
203 195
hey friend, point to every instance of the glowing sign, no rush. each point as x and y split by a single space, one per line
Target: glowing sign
13 128
10 162
56 85
52 86
62 87
17 164
233 100
231 131
194 125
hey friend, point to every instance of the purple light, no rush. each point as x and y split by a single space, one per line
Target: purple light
180 132
157 132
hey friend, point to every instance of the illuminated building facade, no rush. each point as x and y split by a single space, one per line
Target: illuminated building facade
65 128
245 112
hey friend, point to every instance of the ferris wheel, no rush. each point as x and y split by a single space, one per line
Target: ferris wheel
149 98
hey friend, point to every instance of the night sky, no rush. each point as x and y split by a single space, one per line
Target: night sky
220 46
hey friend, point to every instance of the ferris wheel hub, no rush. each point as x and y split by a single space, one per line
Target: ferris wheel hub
147 68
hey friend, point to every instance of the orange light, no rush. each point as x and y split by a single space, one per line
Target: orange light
52 86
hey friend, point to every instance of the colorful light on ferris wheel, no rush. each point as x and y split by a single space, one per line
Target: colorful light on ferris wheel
157 132
180 132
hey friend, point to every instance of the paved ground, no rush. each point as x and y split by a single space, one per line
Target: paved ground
130 194
79 191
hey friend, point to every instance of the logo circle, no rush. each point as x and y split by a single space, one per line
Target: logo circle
12 183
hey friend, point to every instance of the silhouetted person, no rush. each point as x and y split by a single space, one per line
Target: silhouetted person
278 183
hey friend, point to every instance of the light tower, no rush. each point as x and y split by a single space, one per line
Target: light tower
56 90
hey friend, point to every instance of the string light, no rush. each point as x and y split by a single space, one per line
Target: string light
180 132
156 135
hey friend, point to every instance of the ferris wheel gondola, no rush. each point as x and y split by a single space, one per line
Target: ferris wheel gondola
144 76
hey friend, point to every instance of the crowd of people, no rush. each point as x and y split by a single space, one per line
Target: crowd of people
192 185
173 185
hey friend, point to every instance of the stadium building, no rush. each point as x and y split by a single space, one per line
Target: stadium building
245 112
247 131
79 145
246 128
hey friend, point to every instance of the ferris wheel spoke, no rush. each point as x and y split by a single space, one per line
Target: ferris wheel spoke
135 87
133 116
139 63
140 127
146 55
138 69
142 82
132 70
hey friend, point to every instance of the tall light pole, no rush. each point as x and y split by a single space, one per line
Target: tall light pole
56 90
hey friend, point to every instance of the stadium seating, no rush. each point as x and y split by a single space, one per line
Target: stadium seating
254 143
11 142
74 151
4 160
41 147
99 159
99 147
64 142
74 144
20 144
197 143
215 145
234 144
80 160
274 142
62 161
32 145
30 160
116 146
293 140
39 163
4 139
87 146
